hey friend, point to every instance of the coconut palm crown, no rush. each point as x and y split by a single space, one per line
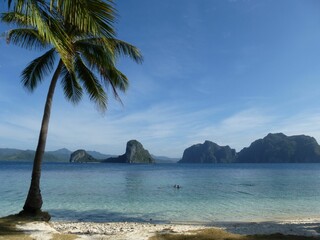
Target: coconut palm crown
88 64
95 16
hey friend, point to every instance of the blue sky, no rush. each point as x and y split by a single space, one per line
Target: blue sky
226 71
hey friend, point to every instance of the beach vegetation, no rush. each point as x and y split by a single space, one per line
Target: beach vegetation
82 54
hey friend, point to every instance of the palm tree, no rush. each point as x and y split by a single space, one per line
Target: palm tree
95 16
90 66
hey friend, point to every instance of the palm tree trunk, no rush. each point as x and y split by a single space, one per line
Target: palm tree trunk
33 202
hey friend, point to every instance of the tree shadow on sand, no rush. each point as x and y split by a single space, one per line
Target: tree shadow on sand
100 216
251 228
217 234
8 226
246 231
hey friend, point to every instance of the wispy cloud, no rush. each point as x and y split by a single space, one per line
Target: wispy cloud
154 127
306 122
162 129
238 129
243 127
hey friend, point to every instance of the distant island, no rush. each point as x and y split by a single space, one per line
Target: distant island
208 152
279 148
11 154
273 148
135 153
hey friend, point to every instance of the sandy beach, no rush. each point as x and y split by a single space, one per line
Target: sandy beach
143 231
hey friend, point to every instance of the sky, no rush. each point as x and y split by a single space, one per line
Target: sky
228 71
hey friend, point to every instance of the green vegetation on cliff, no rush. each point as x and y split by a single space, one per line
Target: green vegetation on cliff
208 152
135 153
274 148
279 148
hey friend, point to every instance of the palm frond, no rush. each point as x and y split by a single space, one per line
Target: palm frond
91 84
33 74
102 53
37 14
17 4
50 27
125 49
26 38
16 18
116 79
52 4
96 54
71 87
100 56
94 16
111 75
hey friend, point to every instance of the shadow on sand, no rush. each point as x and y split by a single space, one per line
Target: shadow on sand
100 216
251 228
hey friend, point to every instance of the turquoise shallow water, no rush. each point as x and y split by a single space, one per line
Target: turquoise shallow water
120 192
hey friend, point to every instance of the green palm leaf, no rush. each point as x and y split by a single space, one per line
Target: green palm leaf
36 14
95 16
34 73
91 84
17 3
116 79
108 48
15 17
95 53
113 76
71 87
50 28
125 49
26 38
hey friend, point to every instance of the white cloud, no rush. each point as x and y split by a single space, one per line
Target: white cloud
307 122
246 120
163 129
242 128
237 130
156 124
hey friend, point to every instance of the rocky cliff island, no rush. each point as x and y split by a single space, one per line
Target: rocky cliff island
274 148
208 152
279 148
81 156
135 153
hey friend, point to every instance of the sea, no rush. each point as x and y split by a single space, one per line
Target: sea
145 193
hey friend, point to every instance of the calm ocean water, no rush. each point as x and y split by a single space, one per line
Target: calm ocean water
120 192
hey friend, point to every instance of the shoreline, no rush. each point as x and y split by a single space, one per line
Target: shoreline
143 231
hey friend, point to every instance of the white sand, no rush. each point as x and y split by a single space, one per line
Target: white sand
119 231
142 231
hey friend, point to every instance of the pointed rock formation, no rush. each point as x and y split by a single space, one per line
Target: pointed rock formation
135 153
